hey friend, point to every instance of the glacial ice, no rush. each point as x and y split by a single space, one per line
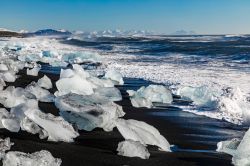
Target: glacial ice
228 146
2 84
81 57
40 158
58 129
201 96
33 120
44 82
3 67
5 145
241 156
234 102
144 97
9 76
114 76
112 93
89 111
11 96
74 81
41 94
142 132
130 148
33 72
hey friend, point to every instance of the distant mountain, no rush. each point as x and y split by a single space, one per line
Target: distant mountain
49 32
183 32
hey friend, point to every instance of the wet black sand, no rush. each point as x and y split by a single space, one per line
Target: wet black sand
195 136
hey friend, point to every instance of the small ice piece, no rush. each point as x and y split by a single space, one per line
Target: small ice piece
201 96
40 93
5 145
3 67
8 121
145 96
114 76
241 156
44 82
89 111
130 148
9 76
228 146
112 93
58 129
142 132
40 158
33 72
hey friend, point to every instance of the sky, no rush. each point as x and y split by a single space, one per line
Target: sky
162 16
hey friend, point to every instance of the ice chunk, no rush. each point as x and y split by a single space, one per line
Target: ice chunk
58 129
130 148
40 93
2 84
138 101
201 96
29 58
3 67
8 121
12 96
33 72
114 76
228 146
89 111
44 82
9 76
81 57
74 81
241 156
5 145
142 132
112 93
41 158
234 102
144 97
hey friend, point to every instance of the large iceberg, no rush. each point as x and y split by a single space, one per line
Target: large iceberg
130 148
40 158
89 111
145 96
142 132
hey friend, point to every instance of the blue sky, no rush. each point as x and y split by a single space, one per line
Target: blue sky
167 16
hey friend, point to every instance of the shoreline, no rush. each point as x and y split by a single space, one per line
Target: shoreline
99 148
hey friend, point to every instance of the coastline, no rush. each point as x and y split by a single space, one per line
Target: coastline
195 143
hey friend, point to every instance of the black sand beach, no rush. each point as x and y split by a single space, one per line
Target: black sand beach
195 136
